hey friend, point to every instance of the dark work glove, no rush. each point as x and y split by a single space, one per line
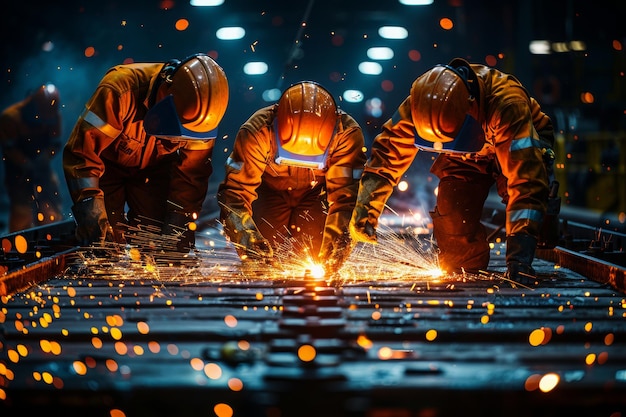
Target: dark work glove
92 223
180 227
520 252
374 191
244 234
336 243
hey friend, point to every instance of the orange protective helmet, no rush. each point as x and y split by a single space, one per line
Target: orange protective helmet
195 92
441 102
306 119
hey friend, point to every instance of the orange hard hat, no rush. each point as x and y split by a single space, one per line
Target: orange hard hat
306 119
195 96
442 101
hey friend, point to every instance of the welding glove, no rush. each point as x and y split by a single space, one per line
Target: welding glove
177 225
520 252
92 223
374 191
336 242
244 234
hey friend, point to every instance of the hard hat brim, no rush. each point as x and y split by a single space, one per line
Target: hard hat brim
470 138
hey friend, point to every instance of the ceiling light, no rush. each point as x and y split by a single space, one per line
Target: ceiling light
416 2
352 96
539 47
230 33
255 68
380 52
206 2
370 68
393 32
271 94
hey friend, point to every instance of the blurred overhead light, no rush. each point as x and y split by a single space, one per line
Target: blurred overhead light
560 47
539 47
416 2
271 95
206 2
374 107
370 68
380 52
578 46
255 68
393 32
230 33
352 96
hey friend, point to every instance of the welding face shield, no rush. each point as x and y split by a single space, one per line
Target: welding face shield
444 109
192 99
305 123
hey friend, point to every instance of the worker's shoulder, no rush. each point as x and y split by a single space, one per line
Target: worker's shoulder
260 119
347 122
129 76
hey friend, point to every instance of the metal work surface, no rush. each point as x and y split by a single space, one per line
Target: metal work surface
204 336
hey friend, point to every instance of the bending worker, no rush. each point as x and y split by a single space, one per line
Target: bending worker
486 129
293 177
145 141
30 132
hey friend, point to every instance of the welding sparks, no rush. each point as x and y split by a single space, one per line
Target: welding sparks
402 254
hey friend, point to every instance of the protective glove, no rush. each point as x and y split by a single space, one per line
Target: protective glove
244 234
177 225
374 191
520 252
92 223
336 242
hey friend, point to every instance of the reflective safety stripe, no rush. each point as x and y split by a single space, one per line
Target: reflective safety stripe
525 143
94 120
525 214
198 145
234 164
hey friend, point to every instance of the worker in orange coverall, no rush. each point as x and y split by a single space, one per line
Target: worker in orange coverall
30 138
487 130
293 176
145 140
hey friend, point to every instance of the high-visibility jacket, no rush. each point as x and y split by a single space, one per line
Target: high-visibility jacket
111 131
518 137
252 162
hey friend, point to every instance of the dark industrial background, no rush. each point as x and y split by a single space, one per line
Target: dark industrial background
135 335
583 89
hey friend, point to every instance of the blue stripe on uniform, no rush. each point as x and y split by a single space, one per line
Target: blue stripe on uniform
234 164
525 143
525 214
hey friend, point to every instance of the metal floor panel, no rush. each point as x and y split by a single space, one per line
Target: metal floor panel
209 338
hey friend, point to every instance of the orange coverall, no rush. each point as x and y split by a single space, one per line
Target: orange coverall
108 153
289 202
517 155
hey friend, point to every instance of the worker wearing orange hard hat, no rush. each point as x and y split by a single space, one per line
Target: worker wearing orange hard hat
487 130
145 142
292 178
